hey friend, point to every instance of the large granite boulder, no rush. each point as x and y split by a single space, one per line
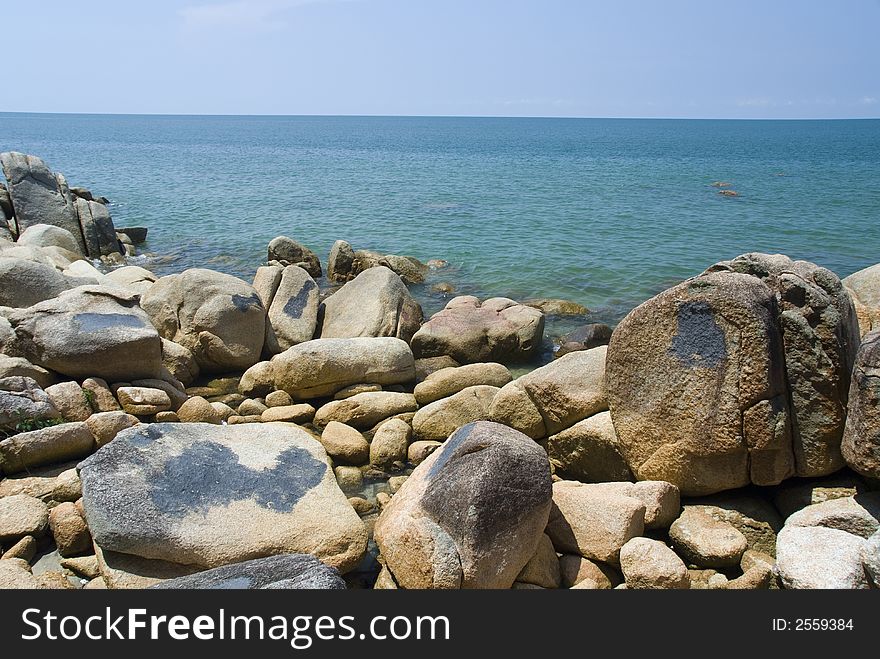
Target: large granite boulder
47 235
217 317
45 446
286 251
438 420
324 366
737 376
40 196
864 288
286 571
97 228
375 303
340 262
496 330
88 331
861 437
471 515
818 557
25 283
208 495
293 311
556 396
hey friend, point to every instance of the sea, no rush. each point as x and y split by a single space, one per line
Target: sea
603 212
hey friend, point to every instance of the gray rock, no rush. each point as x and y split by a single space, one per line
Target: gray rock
217 317
89 331
471 515
816 557
47 235
22 399
287 251
587 337
39 196
409 269
861 437
209 495
137 235
375 303
293 314
287 571
496 330
340 262
859 515
97 228
25 283
12 366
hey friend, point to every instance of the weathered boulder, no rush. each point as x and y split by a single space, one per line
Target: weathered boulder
25 283
104 426
22 400
418 451
287 571
180 362
496 330
22 515
345 444
871 559
70 400
859 515
97 228
816 557
429 365
577 571
88 331
364 411
324 366
409 269
340 262
100 395
375 303
649 564
390 443
301 413
198 410
39 195
438 420
662 500
555 396
133 278
543 568
217 317
16 574
209 495
589 452
794 495
864 288
45 446
47 235
19 366
293 312
706 541
592 521
448 381
860 445
471 515
143 401
753 516
69 529
287 251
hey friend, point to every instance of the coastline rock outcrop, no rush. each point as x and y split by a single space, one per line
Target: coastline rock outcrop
208 495
217 317
496 330
471 515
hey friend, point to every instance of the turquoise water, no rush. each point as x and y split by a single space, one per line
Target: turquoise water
603 212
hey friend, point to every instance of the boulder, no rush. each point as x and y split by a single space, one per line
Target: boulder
49 484
794 495
816 557
577 571
266 281
198 410
287 571
649 564
471 515
496 330
409 269
587 337
705 541
364 411
662 500
556 396
143 401
47 235
19 366
23 401
15 574
22 515
217 317
375 303
180 362
45 446
124 571
438 420
350 479
132 278
859 515
293 313
860 445
543 568
287 251
592 521
753 516
70 400
589 452
418 451
340 262
871 559
89 331
39 195
25 283
324 366
137 235
390 443
864 287
345 444
428 365
97 229
104 426
207 495
449 381
69 530
25 549
99 395
301 413
278 399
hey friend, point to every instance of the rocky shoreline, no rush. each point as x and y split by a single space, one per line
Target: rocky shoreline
196 430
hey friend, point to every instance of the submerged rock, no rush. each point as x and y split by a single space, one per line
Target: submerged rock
209 495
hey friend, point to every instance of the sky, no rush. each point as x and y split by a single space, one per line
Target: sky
575 58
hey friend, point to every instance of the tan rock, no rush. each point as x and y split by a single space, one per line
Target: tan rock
355 389
223 410
14 575
25 549
365 410
350 478
198 410
449 381
650 564
705 541
69 530
100 396
70 400
589 451
143 401
437 420
580 572
167 417
45 446
22 515
278 399
104 426
390 443
543 568
301 413
418 451
344 443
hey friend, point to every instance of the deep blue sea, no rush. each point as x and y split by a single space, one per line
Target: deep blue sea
605 212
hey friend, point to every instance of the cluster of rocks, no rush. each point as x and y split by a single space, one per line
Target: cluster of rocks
200 431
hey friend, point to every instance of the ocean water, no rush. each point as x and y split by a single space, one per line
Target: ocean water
604 212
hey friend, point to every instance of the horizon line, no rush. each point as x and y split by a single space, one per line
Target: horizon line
427 116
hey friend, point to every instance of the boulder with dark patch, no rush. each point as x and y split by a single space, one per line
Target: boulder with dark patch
293 312
287 571
471 515
208 495
217 317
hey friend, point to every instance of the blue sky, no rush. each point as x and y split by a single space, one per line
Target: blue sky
622 58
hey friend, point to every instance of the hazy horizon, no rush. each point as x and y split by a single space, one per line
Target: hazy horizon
447 58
